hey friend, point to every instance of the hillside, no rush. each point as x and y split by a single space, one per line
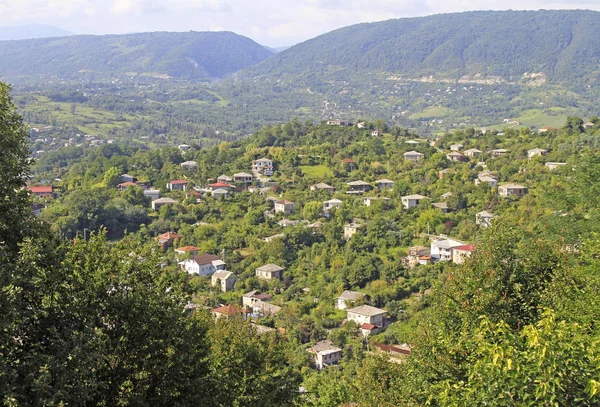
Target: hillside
562 45
190 55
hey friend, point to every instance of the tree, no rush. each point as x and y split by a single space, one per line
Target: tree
112 177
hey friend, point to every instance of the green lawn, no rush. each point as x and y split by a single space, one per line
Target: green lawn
316 171
537 118
431 111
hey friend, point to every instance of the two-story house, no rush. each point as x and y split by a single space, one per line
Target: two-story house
411 201
326 354
202 264
512 190
225 279
177 185
413 156
269 272
441 249
263 166
283 206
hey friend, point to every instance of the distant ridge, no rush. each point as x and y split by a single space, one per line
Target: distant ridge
184 55
29 31
560 46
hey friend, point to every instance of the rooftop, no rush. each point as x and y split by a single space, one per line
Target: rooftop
367 310
270 268
351 295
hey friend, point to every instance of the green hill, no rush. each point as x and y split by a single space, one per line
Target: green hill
190 55
564 46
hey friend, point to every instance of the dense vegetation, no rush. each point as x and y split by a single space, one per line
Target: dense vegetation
563 45
192 56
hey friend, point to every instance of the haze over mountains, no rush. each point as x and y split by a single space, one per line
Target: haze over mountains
29 31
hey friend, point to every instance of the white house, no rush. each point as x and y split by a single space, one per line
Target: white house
202 264
348 298
263 166
220 193
157 203
411 201
351 229
332 203
359 185
366 314
484 218
413 156
253 297
553 165
512 190
461 253
242 177
456 147
326 354
321 186
269 272
189 165
384 183
441 249
486 178
283 206
177 185
226 279
226 179
536 152
472 152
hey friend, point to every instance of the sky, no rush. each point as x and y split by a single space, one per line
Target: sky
273 23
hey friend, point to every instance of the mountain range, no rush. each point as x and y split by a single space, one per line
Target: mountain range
28 31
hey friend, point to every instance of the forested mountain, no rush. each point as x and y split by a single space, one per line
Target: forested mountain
23 32
191 55
562 45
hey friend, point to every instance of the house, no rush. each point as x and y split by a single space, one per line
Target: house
512 190
202 264
226 179
396 352
498 152
370 199
348 164
166 239
351 229
441 249
472 152
376 133
286 222
323 187
411 201
128 178
442 206
447 195
230 311
326 354
252 297
263 308
367 315
184 147
552 165
456 147
361 125
335 122
456 156
412 142
359 186
384 183
332 203
536 152
219 185
417 255
461 253
269 272
263 166
413 156
486 178
225 278
348 298
42 191
187 250
443 172
189 165
157 203
153 194
220 193
124 185
177 185
242 178
283 206
484 218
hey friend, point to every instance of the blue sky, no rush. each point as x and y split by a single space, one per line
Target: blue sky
269 22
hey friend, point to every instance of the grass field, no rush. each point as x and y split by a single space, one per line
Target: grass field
431 111
553 117
316 171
